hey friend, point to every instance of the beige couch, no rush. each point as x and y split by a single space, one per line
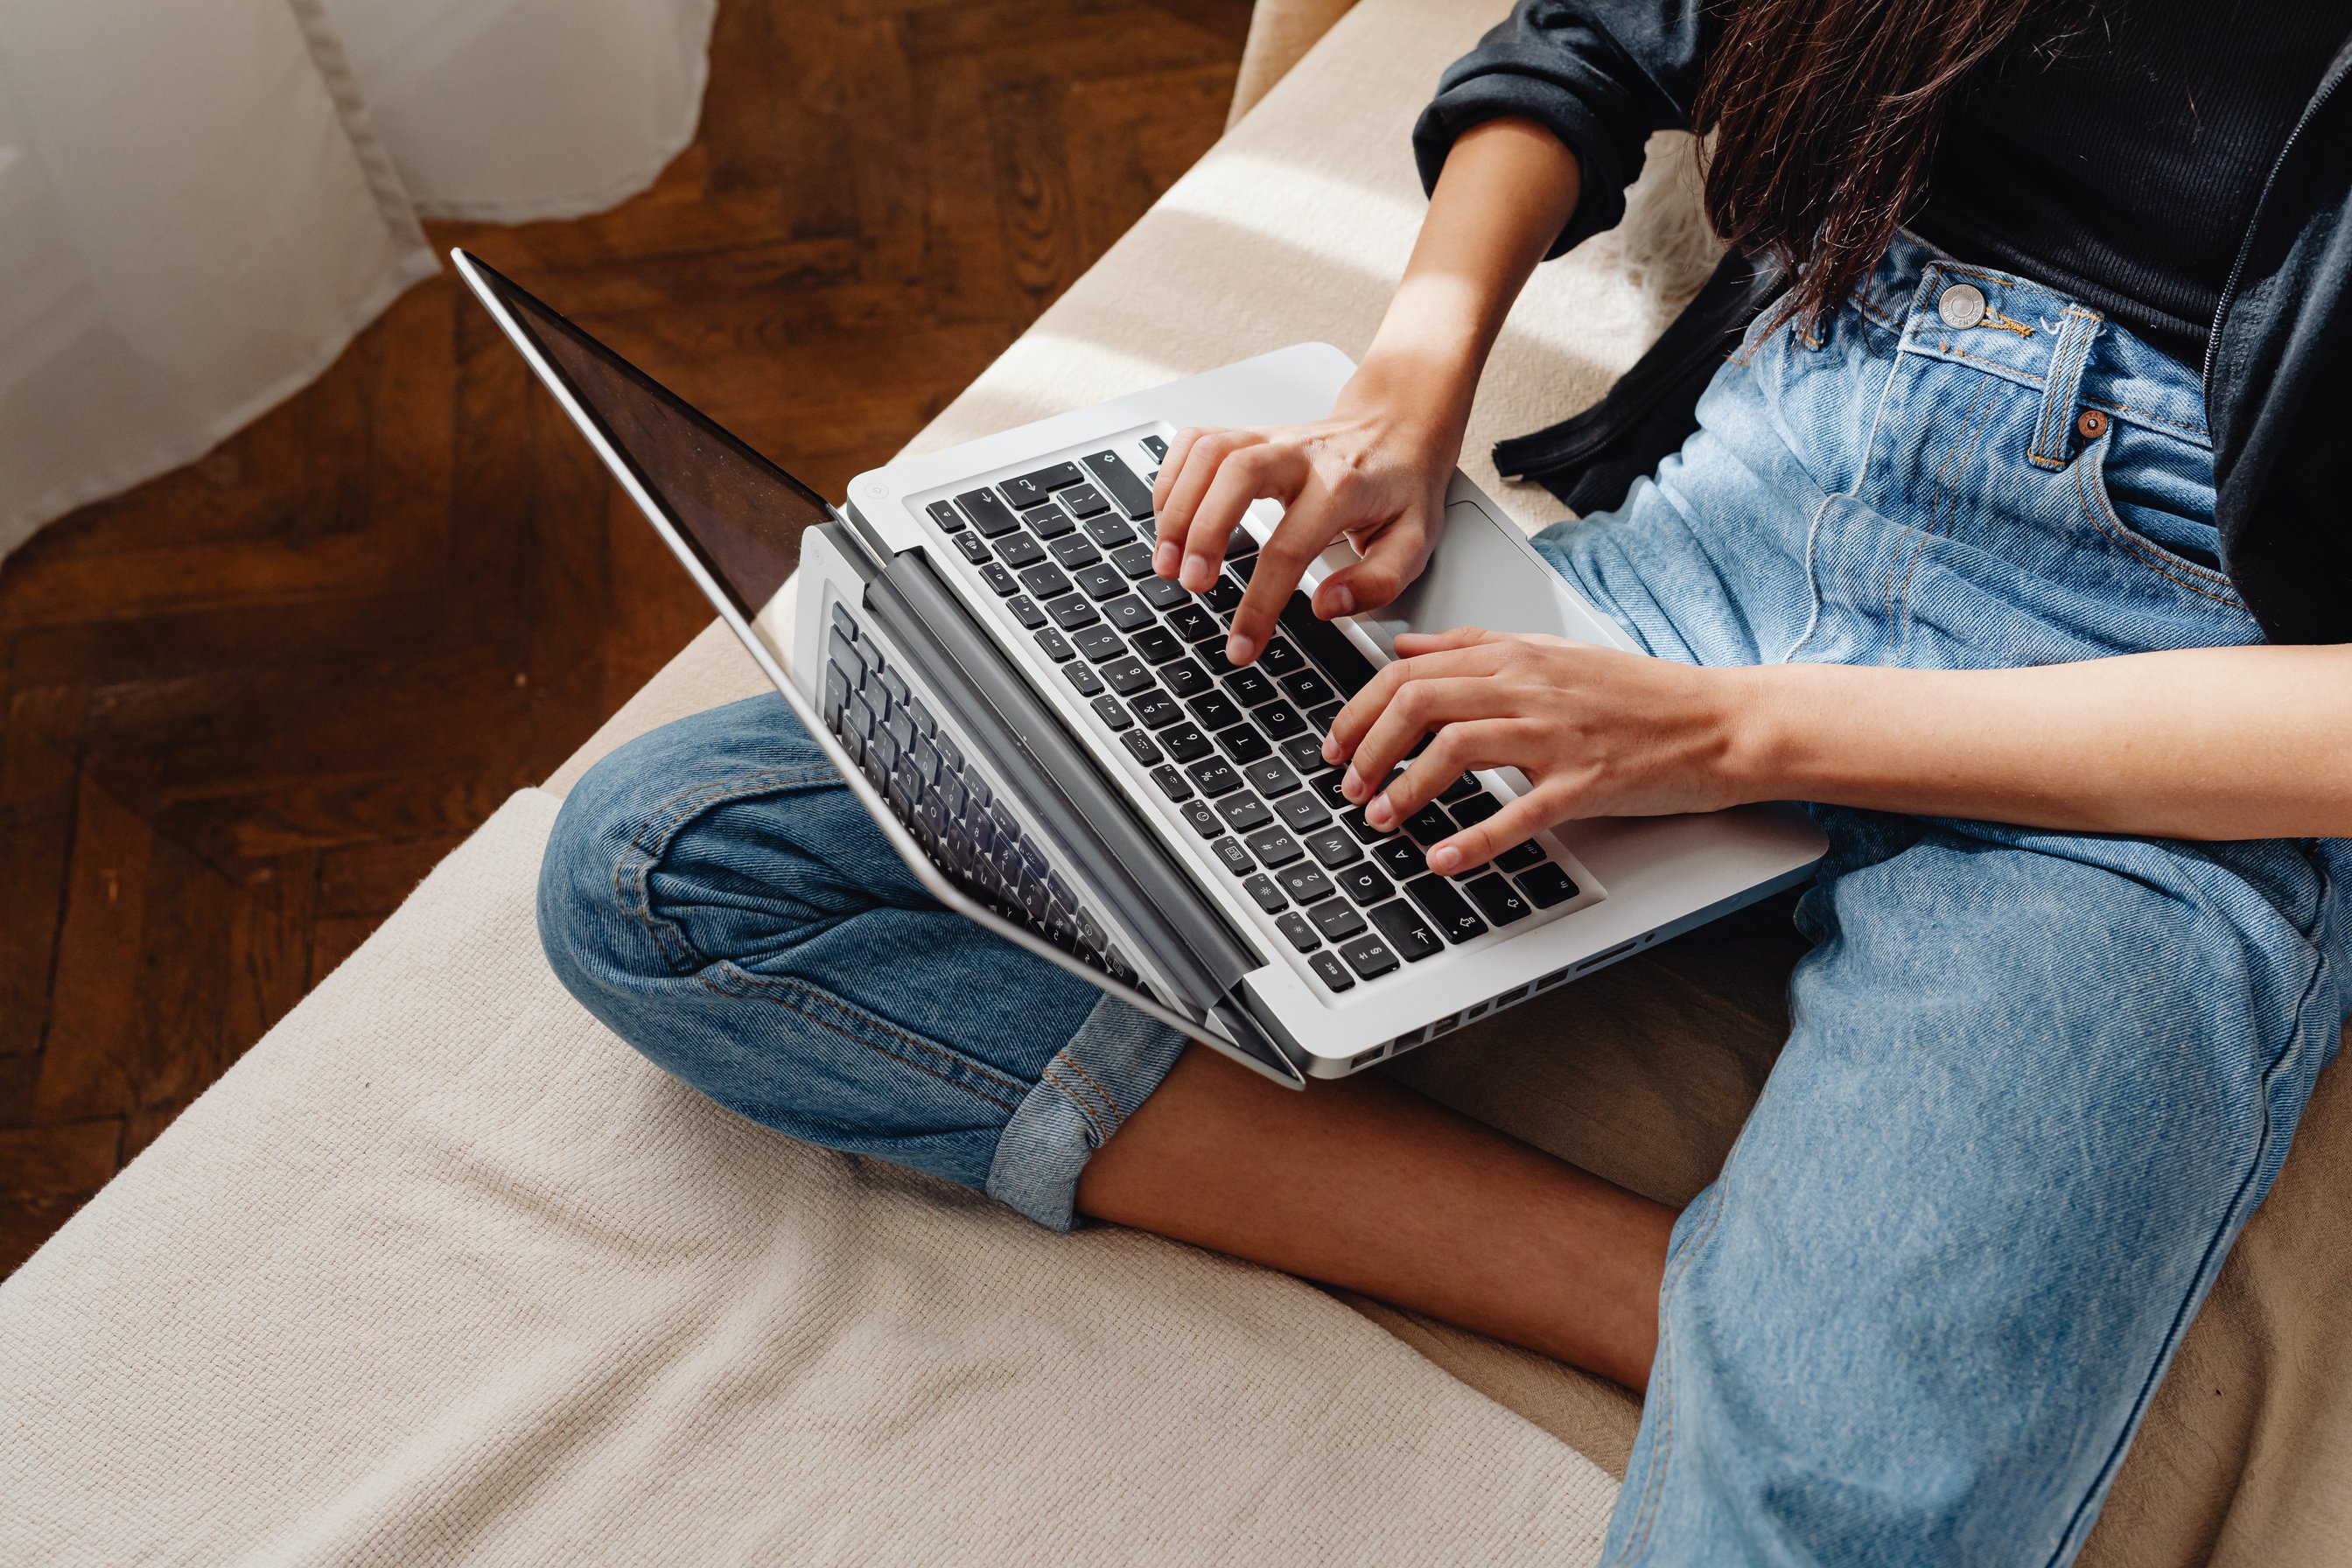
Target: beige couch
441 1270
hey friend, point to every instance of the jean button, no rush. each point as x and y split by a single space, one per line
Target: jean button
1963 306
2092 425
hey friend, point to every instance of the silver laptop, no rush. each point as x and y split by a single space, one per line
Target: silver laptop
1050 736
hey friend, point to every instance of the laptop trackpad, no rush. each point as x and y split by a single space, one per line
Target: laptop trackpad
1486 574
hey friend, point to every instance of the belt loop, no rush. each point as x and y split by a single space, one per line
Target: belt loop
2063 385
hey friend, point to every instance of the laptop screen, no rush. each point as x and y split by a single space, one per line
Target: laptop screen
740 513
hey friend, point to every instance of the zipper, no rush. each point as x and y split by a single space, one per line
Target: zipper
2328 85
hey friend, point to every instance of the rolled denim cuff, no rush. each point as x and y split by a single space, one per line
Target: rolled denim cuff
1087 1093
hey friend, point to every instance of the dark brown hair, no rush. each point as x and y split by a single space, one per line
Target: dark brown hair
1825 115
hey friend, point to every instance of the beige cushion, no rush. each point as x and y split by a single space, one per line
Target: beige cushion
1294 227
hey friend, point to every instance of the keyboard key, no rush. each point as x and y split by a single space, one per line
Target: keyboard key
1279 719
1111 472
1025 610
1332 847
1084 501
1336 919
1046 581
1184 742
1215 776
1161 594
1216 709
1084 677
999 580
1304 882
1520 857
1363 881
1107 531
1271 776
1368 957
1309 689
1327 645
1274 848
1102 581
1099 643
1327 789
1138 746
1157 447
1071 611
1250 686
1361 827
1172 785
1134 559
1075 552
1319 718
1476 809
1057 647
1462 788
1331 973
1127 613
1031 489
1244 567
1302 935
1241 542
1303 812
1017 550
974 548
1281 659
1205 822
1195 624
1547 885
1225 596
1185 678
1407 931
1126 676
1048 522
1445 907
1156 645
1244 744
1267 896
1155 708
1305 753
987 513
1428 825
1497 899
946 517
1107 709
1244 812
1234 857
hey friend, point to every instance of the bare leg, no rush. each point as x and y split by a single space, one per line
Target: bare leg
1368 1185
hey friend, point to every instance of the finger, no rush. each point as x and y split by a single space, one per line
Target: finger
1419 707
1350 725
1410 645
1180 447
1266 470
1309 525
1393 558
1457 749
1517 823
1207 455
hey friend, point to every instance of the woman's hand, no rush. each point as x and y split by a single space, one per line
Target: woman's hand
1374 472
1598 733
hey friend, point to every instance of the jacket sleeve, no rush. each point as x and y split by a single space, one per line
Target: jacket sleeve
1601 75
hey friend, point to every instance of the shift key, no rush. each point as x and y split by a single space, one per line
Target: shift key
1447 910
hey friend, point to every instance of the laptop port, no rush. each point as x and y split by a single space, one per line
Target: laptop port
1620 951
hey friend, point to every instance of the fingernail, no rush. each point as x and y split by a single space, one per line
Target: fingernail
1444 858
1200 574
1380 813
1330 748
1343 600
1164 560
1239 649
1352 784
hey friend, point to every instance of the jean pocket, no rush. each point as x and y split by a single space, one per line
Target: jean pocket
2152 498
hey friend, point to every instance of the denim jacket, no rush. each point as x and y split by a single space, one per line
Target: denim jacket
1604 74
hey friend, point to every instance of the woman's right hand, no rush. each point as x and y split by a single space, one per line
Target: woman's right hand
1375 471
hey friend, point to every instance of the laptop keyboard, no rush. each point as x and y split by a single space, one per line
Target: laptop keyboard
1237 751
909 756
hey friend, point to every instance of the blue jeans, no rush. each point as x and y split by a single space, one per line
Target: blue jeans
2035 1081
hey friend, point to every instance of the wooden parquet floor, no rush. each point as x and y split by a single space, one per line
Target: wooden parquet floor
244 709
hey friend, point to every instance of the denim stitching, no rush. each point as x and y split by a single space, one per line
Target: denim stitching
1051 1075
2049 429
2128 412
1964 446
2162 562
1108 1098
1813 528
752 987
2209 1266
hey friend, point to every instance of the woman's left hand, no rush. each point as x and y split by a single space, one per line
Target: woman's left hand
1597 733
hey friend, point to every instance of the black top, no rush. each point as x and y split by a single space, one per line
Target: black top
2115 151
1604 74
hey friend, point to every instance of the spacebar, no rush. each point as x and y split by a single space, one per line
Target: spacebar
1327 645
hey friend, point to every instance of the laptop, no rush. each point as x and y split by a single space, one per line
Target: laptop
1050 737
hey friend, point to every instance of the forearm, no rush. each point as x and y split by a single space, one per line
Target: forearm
2207 743
1508 190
